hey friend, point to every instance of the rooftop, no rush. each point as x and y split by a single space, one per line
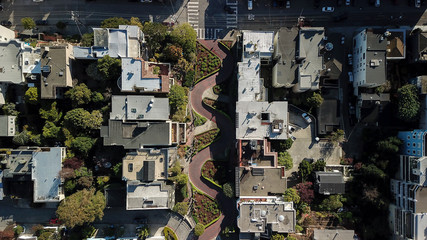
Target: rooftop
56 71
261 181
250 87
396 44
148 164
330 183
45 173
140 75
333 234
328 116
284 70
135 135
7 126
256 153
144 196
11 60
6 34
138 107
257 120
113 39
259 41
257 216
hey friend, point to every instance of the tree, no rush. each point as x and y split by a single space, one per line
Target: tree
114 22
18 230
97 97
372 173
135 21
7 233
181 208
185 36
291 195
285 160
315 100
28 23
50 113
154 33
389 146
180 179
32 96
92 72
305 169
277 236
109 68
337 136
408 103
22 138
228 190
332 203
82 145
85 182
143 232
50 130
189 78
199 229
306 192
171 53
319 165
67 173
82 207
10 109
79 95
79 119
87 40
177 97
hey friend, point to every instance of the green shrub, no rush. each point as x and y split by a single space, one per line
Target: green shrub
199 229
18 230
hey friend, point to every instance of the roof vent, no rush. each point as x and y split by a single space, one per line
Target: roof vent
61 74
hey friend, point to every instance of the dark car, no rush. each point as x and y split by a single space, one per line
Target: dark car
41 22
229 10
1 7
6 23
340 17
316 3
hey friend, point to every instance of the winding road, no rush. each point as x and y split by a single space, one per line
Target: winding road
219 148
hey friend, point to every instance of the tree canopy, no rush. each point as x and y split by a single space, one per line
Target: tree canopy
110 68
28 23
79 119
114 22
285 160
82 207
408 103
50 130
277 236
315 100
32 95
50 113
228 190
87 40
154 33
79 95
181 208
337 136
291 195
82 145
305 169
10 109
332 203
186 37
199 229
177 97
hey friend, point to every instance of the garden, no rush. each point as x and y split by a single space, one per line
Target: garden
227 44
205 139
207 62
217 105
215 171
198 120
205 210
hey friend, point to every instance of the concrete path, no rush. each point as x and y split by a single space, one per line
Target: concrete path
217 149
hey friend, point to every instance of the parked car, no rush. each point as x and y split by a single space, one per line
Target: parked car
377 3
229 10
291 129
350 59
417 3
347 2
288 4
55 221
249 4
292 137
41 22
340 17
342 40
306 118
328 9
350 77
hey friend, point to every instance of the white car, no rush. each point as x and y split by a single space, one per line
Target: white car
347 2
328 9
288 4
342 40
249 4
350 77
417 3
350 59
306 118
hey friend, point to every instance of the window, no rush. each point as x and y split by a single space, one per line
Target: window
363 56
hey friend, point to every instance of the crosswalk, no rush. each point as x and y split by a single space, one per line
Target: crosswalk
208 33
193 13
231 18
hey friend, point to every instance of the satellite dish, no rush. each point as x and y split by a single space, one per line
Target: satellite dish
281 218
329 46
263 213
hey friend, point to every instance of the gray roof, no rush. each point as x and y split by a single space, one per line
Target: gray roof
330 183
149 170
45 173
136 75
56 71
7 126
139 107
370 99
257 215
270 181
113 39
333 234
284 71
376 57
419 46
6 34
135 135
10 64
328 116
144 196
